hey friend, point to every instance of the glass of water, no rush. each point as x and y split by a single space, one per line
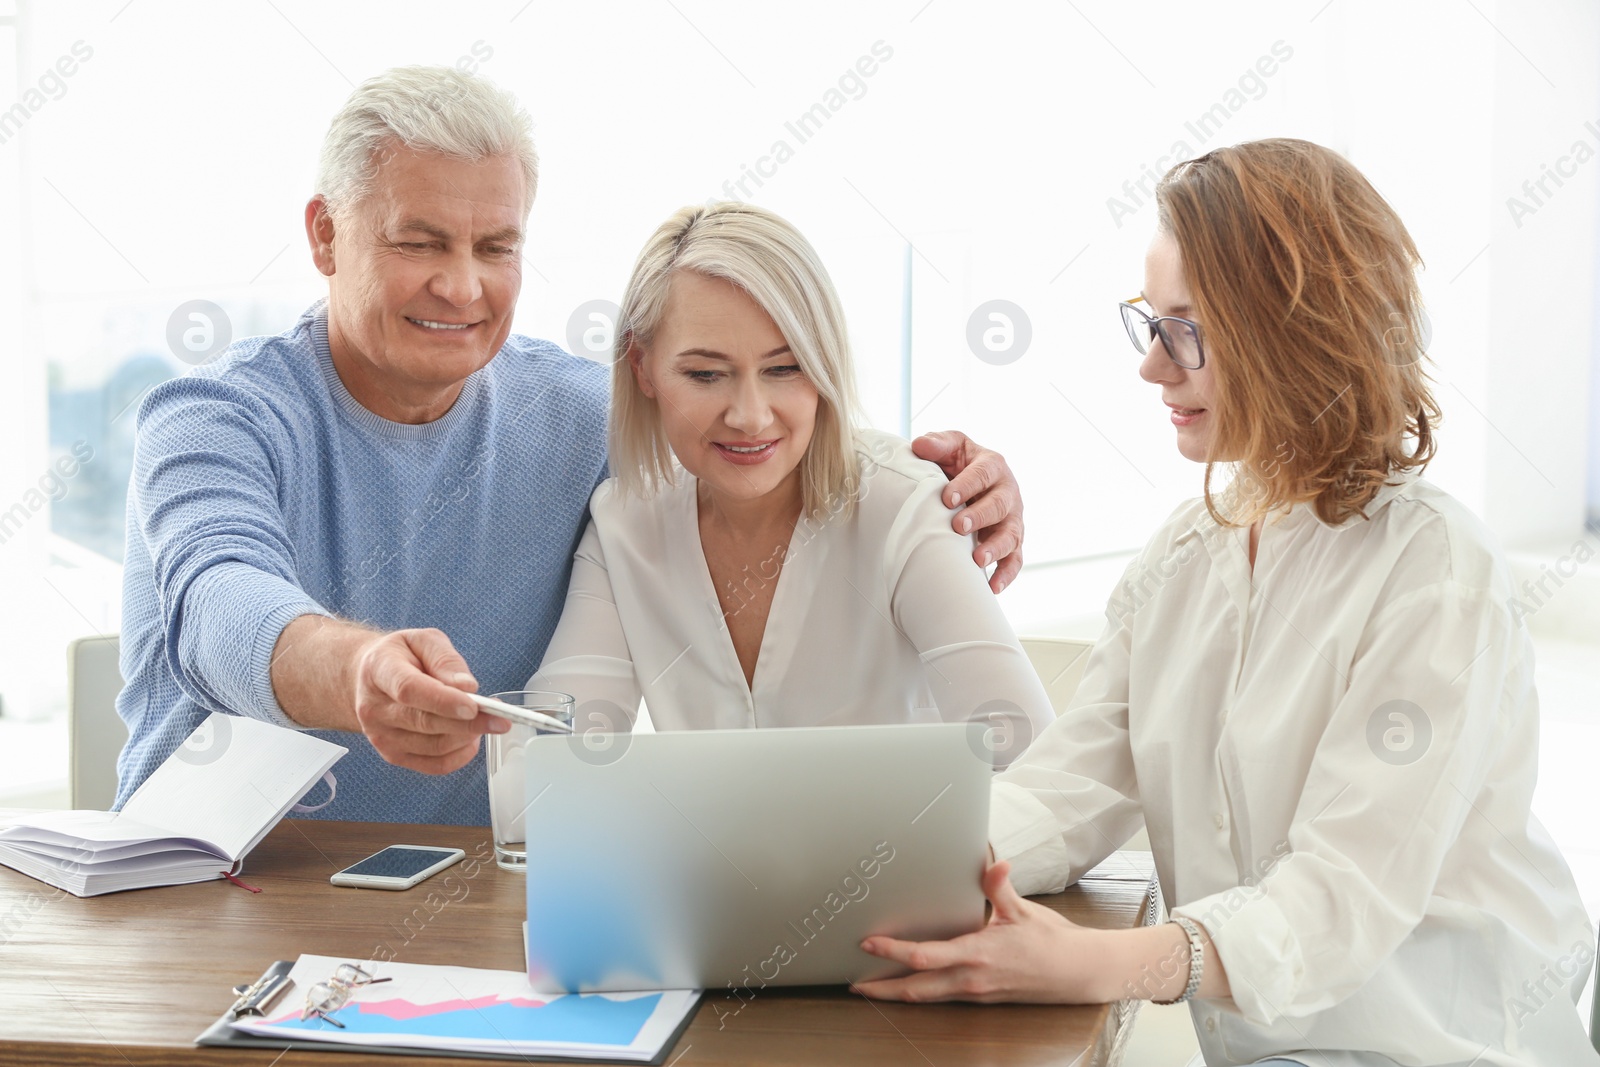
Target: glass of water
506 756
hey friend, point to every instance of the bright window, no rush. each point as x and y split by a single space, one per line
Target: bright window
943 157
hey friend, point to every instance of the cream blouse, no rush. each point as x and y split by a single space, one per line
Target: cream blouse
878 616
1335 756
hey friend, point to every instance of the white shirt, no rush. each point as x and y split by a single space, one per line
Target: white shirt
879 616
1335 758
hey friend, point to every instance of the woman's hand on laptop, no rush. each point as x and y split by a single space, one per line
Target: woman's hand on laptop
981 480
1027 953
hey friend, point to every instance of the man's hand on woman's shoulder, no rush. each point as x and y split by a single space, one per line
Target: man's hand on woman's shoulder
982 485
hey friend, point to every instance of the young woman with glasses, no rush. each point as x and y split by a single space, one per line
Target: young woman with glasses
1310 684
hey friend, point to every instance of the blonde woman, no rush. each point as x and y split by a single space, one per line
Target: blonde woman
1309 684
758 559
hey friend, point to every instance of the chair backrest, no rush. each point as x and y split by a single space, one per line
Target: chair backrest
1594 1014
96 733
1059 662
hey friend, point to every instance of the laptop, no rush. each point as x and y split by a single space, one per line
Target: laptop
740 859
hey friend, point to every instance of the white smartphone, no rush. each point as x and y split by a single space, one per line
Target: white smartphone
398 867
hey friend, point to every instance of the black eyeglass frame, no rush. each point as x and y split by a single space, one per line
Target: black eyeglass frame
1158 323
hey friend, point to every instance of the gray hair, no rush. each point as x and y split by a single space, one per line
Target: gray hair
430 109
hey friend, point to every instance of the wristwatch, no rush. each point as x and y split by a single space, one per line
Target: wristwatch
1197 961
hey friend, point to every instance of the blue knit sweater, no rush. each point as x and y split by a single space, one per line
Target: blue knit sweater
262 491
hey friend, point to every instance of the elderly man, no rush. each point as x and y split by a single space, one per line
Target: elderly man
350 526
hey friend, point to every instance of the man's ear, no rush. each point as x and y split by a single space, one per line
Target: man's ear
319 233
635 358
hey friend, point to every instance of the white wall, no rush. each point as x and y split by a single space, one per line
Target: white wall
997 141
1542 270
1448 118
31 666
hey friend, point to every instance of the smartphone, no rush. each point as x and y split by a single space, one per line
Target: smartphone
398 867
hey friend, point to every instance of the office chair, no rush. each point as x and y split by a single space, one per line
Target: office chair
1059 663
96 733
1594 1015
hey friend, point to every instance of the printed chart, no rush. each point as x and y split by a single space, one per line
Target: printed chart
470 1009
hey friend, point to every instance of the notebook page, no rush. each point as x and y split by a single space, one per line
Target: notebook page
89 831
231 780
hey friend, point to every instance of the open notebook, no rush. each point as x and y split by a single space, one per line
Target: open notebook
196 817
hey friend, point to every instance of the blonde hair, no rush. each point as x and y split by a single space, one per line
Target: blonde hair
767 258
1304 282
429 109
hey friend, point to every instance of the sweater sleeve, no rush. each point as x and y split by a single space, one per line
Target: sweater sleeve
205 497
939 599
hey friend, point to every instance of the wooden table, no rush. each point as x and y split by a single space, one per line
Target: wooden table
77 976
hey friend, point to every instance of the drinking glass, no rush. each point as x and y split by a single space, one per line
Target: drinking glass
506 756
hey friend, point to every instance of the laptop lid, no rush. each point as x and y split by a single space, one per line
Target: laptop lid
712 859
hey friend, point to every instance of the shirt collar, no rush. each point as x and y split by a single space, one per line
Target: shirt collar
460 411
1397 483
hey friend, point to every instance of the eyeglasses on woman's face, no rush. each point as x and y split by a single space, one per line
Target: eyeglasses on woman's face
1180 337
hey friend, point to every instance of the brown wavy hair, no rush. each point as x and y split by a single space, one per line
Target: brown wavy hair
1304 282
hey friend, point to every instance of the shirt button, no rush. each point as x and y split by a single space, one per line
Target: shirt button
1218 820
1211 1025
1222 716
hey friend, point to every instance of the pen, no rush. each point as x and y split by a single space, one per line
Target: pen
526 716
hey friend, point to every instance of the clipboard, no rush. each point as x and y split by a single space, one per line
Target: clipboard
222 1035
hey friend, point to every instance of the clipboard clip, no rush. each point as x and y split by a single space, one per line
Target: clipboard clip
257 997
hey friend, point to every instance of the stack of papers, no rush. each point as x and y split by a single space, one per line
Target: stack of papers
471 1010
209 804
